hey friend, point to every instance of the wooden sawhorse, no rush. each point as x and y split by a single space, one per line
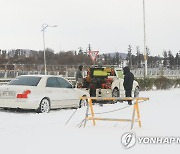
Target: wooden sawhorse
135 109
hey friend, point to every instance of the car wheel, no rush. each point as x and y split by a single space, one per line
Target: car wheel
82 103
136 92
115 92
44 106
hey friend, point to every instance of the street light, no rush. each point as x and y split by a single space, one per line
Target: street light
44 26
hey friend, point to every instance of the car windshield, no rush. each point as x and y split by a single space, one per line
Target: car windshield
119 74
25 81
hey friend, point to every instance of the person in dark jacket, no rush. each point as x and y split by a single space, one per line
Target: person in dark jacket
128 82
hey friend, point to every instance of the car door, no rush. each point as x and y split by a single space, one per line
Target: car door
72 98
120 81
55 92
122 91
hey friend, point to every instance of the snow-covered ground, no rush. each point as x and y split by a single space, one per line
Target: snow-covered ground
31 133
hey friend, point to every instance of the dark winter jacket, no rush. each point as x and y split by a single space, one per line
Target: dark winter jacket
128 79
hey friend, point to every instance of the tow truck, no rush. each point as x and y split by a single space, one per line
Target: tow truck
106 82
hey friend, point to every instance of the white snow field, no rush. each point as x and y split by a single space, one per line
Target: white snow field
31 133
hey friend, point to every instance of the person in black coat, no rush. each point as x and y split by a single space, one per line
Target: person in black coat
128 82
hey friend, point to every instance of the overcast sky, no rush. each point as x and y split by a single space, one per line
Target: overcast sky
108 25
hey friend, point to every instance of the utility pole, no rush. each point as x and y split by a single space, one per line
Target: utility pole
145 52
130 56
89 47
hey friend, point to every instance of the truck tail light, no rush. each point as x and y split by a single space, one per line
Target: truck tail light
24 94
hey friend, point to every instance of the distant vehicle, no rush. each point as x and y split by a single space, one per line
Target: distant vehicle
106 82
40 92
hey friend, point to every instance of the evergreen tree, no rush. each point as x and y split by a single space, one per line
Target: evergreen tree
165 58
117 58
177 60
171 59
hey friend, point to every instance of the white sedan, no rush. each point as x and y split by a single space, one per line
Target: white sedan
40 92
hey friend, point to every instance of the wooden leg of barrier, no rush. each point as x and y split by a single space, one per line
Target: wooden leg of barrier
137 111
86 116
92 111
133 116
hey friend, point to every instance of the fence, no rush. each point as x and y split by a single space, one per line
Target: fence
157 72
68 71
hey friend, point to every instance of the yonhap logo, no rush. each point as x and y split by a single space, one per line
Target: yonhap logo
128 140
